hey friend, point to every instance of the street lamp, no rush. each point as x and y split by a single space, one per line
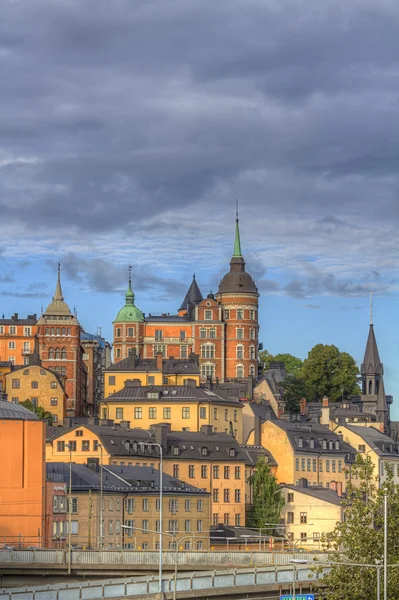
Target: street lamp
69 446
101 499
160 506
295 562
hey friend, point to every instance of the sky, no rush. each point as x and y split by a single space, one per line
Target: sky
129 128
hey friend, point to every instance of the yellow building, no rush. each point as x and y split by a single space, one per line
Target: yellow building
306 450
41 386
187 408
211 461
151 371
309 512
5 368
131 502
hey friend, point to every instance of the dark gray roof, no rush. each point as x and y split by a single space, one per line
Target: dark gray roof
253 453
297 431
171 393
371 361
379 442
263 411
15 412
30 320
237 280
318 492
193 296
169 365
166 318
116 478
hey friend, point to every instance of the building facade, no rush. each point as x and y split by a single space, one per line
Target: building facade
96 358
222 329
17 339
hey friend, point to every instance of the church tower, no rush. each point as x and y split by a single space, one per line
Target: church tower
60 349
128 327
238 296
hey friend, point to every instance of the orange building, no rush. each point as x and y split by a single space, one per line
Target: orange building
222 329
22 483
17 339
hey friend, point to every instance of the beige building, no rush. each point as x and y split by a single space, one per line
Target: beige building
40 386
310 512
131 502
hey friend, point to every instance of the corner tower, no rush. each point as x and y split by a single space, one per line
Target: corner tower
128 327
238 296
373 396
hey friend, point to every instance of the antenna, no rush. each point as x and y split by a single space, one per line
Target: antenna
371 308
237 209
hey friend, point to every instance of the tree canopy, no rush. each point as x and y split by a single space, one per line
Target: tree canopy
292 363
359 538
38 410
268 499
329 372
294 390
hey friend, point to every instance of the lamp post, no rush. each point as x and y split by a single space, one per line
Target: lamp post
101 499
295 562
160 506
69 446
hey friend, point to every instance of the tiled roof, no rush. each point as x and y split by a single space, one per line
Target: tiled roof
166 318
320 493
378 441
171 393
9 411
175 365
30 320
253 453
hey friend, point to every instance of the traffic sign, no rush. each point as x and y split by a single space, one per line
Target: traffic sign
298 597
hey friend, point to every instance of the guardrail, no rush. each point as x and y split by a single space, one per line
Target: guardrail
121 588
209 558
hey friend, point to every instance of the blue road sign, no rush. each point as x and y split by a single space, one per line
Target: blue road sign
298 597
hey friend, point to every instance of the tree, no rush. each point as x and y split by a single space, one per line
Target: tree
294 390
293 364
359 538
268 499
38 410
329 372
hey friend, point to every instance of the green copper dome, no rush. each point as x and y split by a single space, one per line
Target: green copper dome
129 313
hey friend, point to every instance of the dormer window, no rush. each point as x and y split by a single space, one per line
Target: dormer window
135 446
176 450
330 445
324 444
311 443
153 395
204 451
300 442
337 445
127 445
232 453
208 315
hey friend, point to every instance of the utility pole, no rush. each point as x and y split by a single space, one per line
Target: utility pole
90 514
385 546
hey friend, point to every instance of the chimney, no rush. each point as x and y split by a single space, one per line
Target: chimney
125 424
93 464
160 431
190 382
302 406
209 383
207 429
106 422
258 432
333 486
325 412
339 489
159 360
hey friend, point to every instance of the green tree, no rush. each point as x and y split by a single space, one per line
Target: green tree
293 364
329 372
294 390
265 358
359 538
268 499
38 410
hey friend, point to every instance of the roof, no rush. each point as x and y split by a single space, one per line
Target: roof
129 313
171 392
58 307
253 453
382 444
30 320
320 493
9 411
371 361
237 280
301 433
193 295
166 318
118 478
91 337
169 365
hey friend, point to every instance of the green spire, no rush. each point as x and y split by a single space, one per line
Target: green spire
129 294
129 313
237 242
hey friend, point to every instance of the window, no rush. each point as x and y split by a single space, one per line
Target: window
232 452
12 330
11 359
212 332
16 384
327 466
129 528
361 448
237 520
144 526
303 517
176 450
202 332
14 400
333 467
202 412
160 349
129 505
208 370
237 495
75 506
191 471
215 413
324 444
290 517
130 332
85 445
111 380
95 445
173 526
118 353
167 413
183 351
208 315
252 314
200 505
60 446
340 466
26 347
185 412
290 497
145 504
158 334
173 506
240 333
74 527
314 464
226 313
302 464
119 413
11 345
35 402
216 471
227 472
308 464
53 385
316 536
152 413
204 472
252 333
63 353
320 465
207 351
226 519
215 495
304 537
240 313
176 470
199 525
300 442
252 352
79 433
297 464
240 371
237 473
187 525
72 446
240 352
187 505
138 413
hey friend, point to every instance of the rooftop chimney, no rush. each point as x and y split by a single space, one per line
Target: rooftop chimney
129 383
302 406
159 360
325 412
125 424
160 431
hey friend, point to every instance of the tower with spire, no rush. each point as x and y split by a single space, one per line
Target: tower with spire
60 348
128 326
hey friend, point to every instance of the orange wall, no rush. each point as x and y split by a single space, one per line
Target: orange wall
22 447
18 340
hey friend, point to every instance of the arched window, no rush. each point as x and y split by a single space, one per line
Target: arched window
240 351
57 353
63 353
26 372
370 387
51 352
240 371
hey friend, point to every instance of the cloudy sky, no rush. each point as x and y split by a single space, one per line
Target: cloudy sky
129 127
